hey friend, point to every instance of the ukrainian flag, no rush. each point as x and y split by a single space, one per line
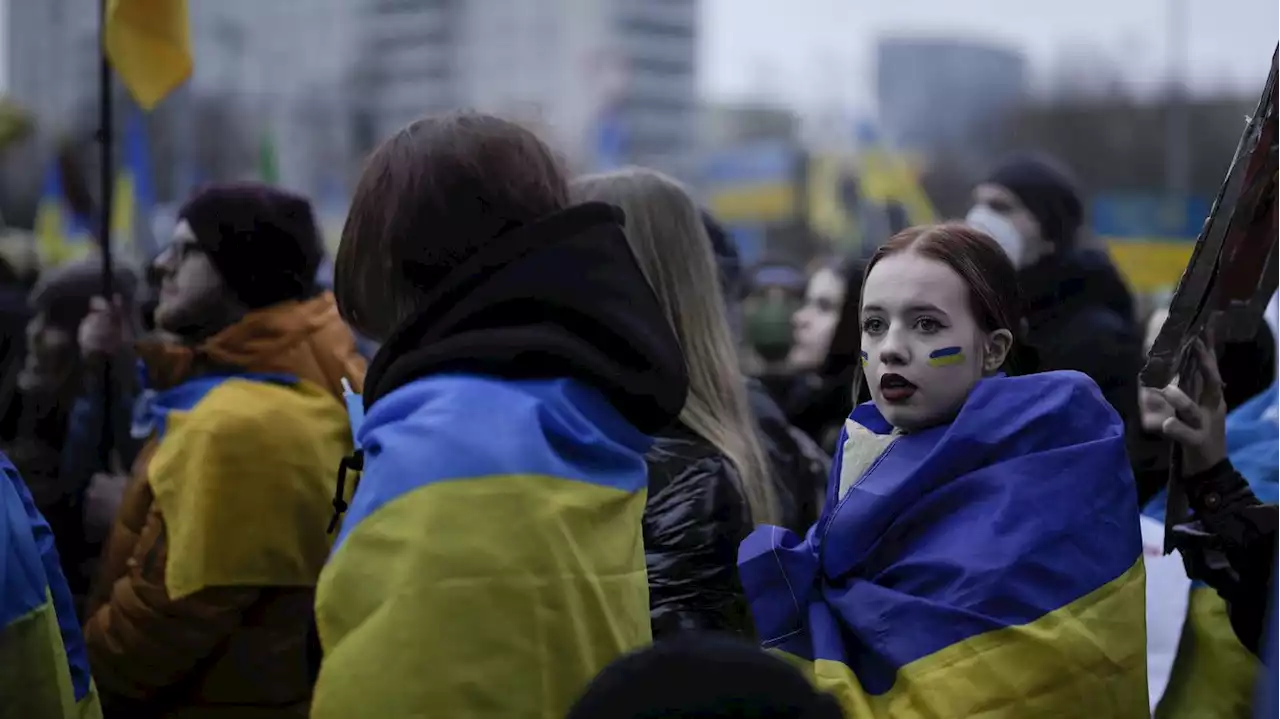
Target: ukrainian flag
149 44
208 473
44 671
990 567
133 197
61 237
491 563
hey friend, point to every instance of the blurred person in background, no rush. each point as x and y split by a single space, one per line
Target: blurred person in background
710 481
491 561
772 293
53 425
1079 313
824 352
204 601
800 466
45 671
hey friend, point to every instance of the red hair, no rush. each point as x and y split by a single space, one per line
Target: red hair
994 297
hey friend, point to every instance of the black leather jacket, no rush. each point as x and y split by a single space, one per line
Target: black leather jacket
1230 545
694 521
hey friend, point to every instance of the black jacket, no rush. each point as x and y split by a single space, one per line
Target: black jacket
693 523
799 465
1231 546
1080 316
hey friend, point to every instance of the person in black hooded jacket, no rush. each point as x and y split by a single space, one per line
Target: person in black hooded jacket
1079 312
491 560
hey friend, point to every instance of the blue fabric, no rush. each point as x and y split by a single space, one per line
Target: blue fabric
454 427
152 411
1021 505
29 567
1265 701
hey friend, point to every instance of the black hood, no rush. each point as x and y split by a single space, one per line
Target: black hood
562 297
1070 281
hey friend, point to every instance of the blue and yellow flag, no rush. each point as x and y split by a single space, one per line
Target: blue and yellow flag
133 198
988 567
491 563
45 669
149 44
208 473
61 236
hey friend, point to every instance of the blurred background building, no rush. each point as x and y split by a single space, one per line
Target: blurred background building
812 127
940 92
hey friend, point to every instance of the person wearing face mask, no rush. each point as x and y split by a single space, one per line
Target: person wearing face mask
1080 315
773 293
939 581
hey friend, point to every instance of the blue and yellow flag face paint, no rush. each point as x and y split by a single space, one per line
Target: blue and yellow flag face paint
943 584
863 353
491 562
212 470
44 670
946 357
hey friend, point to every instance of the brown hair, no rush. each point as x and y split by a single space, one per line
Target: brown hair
429 198
994 297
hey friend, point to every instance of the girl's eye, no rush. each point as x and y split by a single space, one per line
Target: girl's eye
872 325
928 325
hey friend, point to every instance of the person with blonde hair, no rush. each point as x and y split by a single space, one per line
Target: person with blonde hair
709 476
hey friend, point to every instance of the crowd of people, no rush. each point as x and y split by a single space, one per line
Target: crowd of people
592 466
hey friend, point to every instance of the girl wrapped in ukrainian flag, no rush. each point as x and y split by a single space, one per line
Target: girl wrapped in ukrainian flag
980 550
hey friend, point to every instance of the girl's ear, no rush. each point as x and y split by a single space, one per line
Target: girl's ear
997 349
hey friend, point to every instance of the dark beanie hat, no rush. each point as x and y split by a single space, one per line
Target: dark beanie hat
263 240
1049 193
63 293
702 676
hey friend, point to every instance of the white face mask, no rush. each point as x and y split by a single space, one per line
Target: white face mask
1001 230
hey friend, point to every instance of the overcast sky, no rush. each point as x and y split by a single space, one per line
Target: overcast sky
816 52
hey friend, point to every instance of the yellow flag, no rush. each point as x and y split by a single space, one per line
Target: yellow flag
149 44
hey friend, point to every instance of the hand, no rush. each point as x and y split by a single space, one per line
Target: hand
1155 408
1201 428
104 330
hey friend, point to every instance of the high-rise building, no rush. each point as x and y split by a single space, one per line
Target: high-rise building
935 92
607 81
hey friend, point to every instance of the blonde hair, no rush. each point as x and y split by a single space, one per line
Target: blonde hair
668 239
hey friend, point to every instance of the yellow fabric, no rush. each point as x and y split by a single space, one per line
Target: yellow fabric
34 677
1213 674
149 44
1022 671
499 596
245 484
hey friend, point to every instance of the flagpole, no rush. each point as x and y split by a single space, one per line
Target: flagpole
106 137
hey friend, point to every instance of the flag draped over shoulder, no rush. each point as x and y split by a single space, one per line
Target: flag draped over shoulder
491 561
991 567
149 44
